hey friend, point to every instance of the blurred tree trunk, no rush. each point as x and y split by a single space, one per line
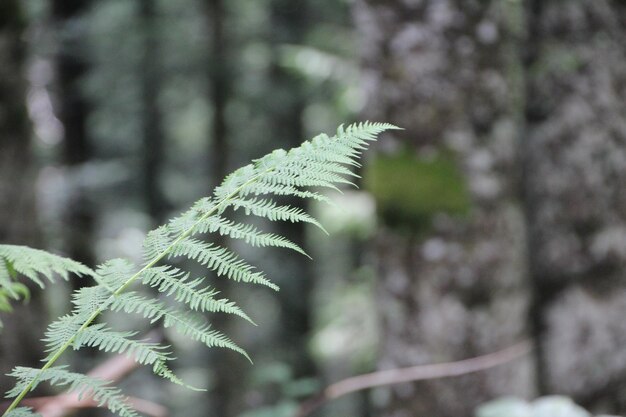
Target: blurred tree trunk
19 343
73 110
575 182
219 82
290 25
226 395
151 119
451 251
284 113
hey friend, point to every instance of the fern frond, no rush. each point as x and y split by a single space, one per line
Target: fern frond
157 243
323 162
185 323
176 283
273 211
89 300
100 391
310 173
62 331
34 264
107 340
264 186
246 232
219 259
251 235
113 273
22 412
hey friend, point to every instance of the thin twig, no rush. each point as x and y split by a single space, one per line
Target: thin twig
414 373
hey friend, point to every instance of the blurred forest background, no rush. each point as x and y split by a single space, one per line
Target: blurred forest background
497 216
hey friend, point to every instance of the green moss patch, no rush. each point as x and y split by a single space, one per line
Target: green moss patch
409 190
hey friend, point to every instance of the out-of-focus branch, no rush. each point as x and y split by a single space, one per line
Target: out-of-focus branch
414 373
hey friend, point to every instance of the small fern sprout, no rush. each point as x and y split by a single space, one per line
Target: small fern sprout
323 162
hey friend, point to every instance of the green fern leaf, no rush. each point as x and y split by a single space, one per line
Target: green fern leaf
107 340
35 265
176 283
100 391
114 273
62 331
323 162
219 259
88 300
266 186
273 211
225 227
185 323
157 242
22 412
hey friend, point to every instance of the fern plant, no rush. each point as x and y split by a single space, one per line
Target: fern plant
323 162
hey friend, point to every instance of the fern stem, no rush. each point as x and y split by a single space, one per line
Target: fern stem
122 288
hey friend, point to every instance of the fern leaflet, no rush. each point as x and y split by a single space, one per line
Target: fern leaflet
35 265
83 385
21 412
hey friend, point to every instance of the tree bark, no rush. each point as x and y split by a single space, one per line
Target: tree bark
453 281
575 176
